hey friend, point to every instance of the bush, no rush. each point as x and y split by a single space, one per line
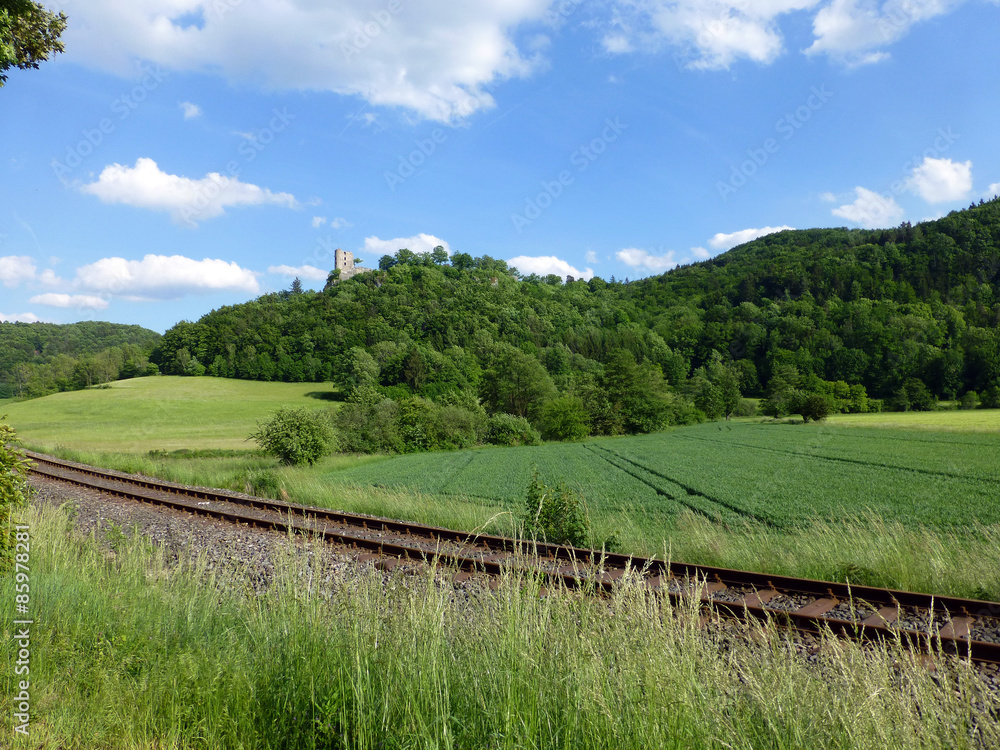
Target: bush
506 429
991 397
14 489
969 401
814 406
555 515
294 436
746 408
564 418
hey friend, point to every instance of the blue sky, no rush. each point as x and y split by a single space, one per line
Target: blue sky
183 155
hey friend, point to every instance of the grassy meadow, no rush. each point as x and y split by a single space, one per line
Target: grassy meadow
164 413
132 651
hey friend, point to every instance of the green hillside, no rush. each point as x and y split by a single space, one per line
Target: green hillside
162 413
41 358
893 310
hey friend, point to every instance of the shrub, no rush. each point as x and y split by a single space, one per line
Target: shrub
991 397
564 418
506 429
13 489
970 400
294 436
555 515
813 406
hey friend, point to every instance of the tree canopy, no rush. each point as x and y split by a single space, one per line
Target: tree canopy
28 35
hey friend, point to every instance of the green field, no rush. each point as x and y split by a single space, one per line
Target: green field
978 420
162 413
775 474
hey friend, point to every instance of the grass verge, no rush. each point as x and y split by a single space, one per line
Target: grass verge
132 652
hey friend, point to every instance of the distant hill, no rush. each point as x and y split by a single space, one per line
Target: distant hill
874 307
39 358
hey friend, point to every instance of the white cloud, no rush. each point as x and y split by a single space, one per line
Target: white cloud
164 277
418 243
187 201
546 264
75 301
723 241
854 30
310 273
20 318
590 257
643 259
992 190
712 34
339 222
190 110
700 253
942 180
828 197
318 221
871 210
15 269
435 58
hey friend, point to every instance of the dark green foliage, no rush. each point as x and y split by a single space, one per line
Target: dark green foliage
294 436
991 397
913 396
258 482
13 489
555 515
41 358
813 406
510 430
969 400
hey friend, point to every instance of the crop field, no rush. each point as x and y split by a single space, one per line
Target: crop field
163 413
778 475
979 420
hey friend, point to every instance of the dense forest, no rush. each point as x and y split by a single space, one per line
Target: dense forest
906 315
41 358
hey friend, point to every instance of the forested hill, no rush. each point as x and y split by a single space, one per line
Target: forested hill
875 307
40 358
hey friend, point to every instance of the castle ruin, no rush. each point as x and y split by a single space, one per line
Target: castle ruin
343 260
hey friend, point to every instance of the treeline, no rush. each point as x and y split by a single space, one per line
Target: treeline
37 359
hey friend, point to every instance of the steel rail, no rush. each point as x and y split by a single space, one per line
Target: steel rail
595 569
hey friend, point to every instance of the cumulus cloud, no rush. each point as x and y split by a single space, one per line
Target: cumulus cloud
15 269
871 210
190 110
700 253
318 221
20 318
855 30
543 265
711 34
165 277
645 260
942 180
722 241
187 201
436 58
418 243
311 273
993 190
590 257
74 301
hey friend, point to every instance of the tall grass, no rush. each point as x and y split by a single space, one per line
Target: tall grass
132 652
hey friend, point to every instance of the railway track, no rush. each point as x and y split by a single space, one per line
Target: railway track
965 627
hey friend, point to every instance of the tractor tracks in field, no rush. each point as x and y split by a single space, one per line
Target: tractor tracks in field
710 512
858 462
